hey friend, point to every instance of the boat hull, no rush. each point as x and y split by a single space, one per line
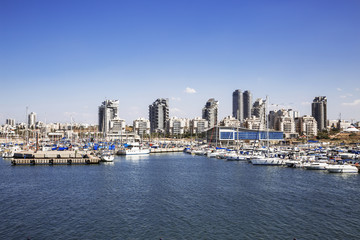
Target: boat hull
316 167
268 161
107 158
134 152
342 169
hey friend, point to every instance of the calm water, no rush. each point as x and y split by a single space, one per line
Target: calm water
176 196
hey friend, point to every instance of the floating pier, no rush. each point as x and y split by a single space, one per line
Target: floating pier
54 158
55 161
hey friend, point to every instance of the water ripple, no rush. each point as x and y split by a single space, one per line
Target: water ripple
176 196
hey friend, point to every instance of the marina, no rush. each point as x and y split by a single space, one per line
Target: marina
180 120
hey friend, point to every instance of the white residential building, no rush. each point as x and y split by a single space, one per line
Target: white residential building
283 120
158 115
258 109
177 126
230 121
108 111
141 126
210 112
32 120
255 123
117 126
198 125
306 125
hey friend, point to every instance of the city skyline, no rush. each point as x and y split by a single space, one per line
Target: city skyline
62 59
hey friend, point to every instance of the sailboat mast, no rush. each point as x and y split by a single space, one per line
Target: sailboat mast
27 126
267 124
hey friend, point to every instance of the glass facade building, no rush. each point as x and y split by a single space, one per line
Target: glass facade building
229 134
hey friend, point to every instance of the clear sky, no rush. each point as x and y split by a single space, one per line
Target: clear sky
63 58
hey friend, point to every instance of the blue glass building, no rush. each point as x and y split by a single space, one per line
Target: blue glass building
229 134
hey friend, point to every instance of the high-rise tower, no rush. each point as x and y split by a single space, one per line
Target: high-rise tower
242 103
238 110
108 111
159 114
247 97
259 110
319 111
210 112
32 120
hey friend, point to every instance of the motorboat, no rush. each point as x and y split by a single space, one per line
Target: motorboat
231 156
10 151
342 168
269 161
213 154
293 163
317 166
107 156
133 149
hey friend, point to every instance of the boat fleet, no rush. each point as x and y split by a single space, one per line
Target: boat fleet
332 159
106 151
310 157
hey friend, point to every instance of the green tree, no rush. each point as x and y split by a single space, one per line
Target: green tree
323 135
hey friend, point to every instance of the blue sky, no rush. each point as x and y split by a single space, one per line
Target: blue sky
63 58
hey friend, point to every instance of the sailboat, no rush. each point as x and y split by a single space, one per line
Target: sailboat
268 159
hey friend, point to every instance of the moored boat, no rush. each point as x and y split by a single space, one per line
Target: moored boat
133 149
317 166
269 161
344 168
107 157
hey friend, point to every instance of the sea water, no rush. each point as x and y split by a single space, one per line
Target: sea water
176 196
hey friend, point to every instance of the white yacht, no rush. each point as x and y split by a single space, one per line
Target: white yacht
10 151
272 161
133 149
107 156
345 168
293 163
317 166
232 156
213 154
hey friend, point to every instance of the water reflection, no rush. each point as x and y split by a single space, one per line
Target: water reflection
135 158
344 175
108 163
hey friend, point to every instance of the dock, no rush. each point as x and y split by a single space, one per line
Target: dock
55 161
54 158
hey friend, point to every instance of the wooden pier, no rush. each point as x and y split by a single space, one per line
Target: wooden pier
55 161
54 158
